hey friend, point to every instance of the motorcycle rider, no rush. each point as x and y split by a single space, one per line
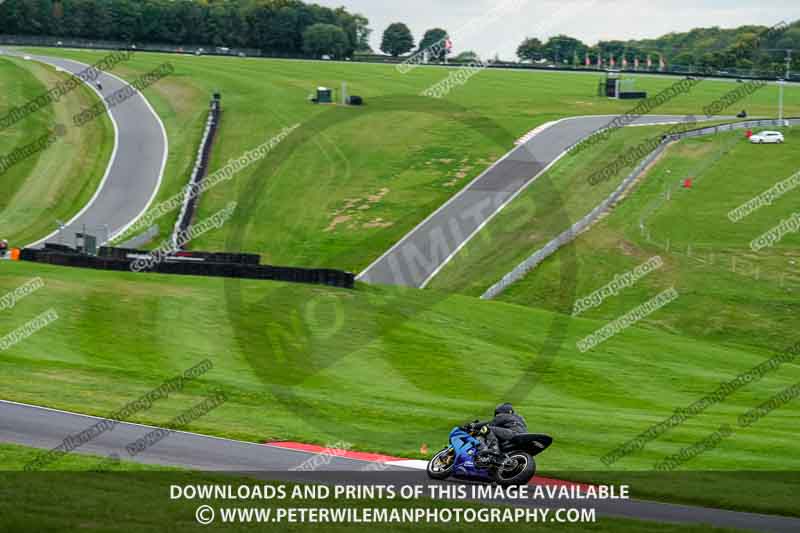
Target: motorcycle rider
3 247
504 426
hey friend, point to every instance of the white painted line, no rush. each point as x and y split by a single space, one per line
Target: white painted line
418 464
533 133
113 155
108 168
491 217
160 172
441 207
525 186
364 273
100 418
61 411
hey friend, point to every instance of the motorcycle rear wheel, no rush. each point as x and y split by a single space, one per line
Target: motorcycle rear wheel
441 465
520 472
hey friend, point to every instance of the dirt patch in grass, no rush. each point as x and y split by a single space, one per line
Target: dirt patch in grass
354 209
377 223
375 198
463 171
340 219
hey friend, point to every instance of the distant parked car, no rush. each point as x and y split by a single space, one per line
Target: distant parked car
766 137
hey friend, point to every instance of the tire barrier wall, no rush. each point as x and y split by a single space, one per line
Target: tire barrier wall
124 254
198 173
63 248
569 235
112 261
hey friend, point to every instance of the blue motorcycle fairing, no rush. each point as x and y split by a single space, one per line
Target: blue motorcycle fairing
465 447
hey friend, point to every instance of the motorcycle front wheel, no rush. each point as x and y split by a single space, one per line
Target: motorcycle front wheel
441 466
518 470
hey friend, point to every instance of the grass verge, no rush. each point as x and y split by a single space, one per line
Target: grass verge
387 370
56 183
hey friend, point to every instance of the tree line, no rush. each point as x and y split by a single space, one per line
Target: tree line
743 48
273 26
292 27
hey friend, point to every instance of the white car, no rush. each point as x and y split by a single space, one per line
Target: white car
767 137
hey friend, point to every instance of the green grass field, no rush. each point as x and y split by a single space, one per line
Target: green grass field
367 175
137 497
384 369
56 183
388 369
730 295
549 206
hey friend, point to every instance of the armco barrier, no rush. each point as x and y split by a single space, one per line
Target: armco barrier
569 235
320 276
745 124
198 174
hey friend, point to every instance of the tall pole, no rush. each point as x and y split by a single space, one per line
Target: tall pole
786 78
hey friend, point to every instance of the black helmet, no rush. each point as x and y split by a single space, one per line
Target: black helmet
504 408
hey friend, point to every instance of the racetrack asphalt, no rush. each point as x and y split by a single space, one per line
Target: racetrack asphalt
134 172
131 182
45 428
423 252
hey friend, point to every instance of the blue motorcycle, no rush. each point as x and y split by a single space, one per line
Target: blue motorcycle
460 459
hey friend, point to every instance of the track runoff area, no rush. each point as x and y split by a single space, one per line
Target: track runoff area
284 482
305 484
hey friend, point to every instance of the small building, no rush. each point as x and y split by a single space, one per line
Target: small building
324 95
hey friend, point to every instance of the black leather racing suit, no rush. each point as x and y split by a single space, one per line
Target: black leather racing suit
502 428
